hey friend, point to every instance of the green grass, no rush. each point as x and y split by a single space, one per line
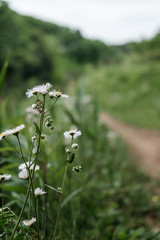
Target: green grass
129 90
110 199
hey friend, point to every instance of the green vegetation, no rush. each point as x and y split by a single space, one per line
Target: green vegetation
110 198
125 78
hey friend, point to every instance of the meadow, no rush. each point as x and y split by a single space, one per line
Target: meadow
108 197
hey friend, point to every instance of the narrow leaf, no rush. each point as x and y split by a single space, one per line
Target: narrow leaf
37 129
73 194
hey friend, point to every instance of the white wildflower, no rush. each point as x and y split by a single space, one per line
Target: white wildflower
24 174
55 93
72 133
43 89
5 177
11 131
30 165
38 192
29 223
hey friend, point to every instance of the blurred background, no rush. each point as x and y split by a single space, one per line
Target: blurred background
106 56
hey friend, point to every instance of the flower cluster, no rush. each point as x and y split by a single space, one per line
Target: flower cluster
42 89
44 94
72 134
24 174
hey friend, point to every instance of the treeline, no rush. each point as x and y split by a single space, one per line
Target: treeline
42 51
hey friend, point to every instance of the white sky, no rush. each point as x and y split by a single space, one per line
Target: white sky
112 21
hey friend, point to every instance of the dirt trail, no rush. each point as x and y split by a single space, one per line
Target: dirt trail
145 144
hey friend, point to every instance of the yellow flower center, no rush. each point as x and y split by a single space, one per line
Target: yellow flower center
59 92
1 134
155 198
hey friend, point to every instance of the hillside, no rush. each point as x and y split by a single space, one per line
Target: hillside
124 79
41 50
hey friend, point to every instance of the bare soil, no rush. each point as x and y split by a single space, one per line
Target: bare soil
143 143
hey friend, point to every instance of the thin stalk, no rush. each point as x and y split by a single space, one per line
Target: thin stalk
30 178
12 147
29 187
22 210
29 207
52 104
2 195
37 210
60 200
45 221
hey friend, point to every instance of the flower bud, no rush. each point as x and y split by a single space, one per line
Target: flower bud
51 95
80 167
74 145
68 150
43 136
48 124
34 106
75 169
34 138
59 190
52 128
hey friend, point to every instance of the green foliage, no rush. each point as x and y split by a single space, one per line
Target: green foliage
109 199
37 49
3 74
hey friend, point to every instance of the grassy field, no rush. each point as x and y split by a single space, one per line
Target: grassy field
128 90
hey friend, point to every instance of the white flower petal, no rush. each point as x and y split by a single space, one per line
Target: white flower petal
55 93
24 174
5 177
43 89
72 133
38 192
29 223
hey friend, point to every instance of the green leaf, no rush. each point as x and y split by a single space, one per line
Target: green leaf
20 236
71 158
3 73
73 194
6 149
37 129
54 189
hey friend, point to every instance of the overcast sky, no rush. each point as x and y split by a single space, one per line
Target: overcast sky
112 21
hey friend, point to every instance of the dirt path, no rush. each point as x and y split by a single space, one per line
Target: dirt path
143 143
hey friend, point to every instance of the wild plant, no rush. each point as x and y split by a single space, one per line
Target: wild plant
44 99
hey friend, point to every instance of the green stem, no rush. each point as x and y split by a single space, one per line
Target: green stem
45 223
52 104
22 210
31 181
12 147
60 200
37 205
29 187
29 207
2 195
